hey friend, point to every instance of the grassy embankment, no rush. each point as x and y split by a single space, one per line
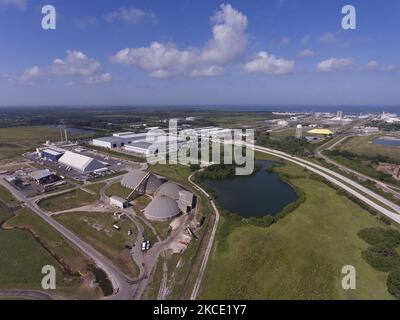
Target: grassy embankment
27 244
74 199
151 292
299 257
97 230
117 189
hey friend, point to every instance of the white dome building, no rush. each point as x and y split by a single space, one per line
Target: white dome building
170 190
162 208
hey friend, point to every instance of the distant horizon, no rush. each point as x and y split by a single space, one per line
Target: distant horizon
212 52
230 107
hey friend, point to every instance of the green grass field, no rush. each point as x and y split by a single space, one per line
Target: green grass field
96 187
162 228
97 230
141 202
364 146
117 189
21 260
299 257
178 173
7 197
15 141
4 214
52 239
66 201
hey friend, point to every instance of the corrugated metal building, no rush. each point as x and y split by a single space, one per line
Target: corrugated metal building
51 154
133 179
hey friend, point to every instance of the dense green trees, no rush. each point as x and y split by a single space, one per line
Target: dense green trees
382 255
289 144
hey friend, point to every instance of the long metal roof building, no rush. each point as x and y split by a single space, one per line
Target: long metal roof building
133 179
162 208
80 162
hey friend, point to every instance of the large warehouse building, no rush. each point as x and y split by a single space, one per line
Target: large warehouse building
140 147
118 140
80 162
109 142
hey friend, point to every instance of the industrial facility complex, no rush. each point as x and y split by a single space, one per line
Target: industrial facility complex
158 141
169 199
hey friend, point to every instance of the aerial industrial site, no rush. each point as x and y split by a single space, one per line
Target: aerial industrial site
207 158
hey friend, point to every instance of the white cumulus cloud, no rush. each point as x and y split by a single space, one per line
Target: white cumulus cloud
328 38
306 53
163 60
129 15
98 79
372 65
75 63
269 64
31 73
334 64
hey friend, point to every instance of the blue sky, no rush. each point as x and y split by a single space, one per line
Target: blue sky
177 52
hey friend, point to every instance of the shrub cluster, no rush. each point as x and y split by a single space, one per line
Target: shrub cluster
382 255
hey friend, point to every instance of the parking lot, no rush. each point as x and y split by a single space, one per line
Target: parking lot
113 165
22 181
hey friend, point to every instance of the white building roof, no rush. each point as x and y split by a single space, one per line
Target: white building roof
40 174
110 139
80 162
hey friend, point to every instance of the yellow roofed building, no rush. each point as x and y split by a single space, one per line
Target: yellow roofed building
324 132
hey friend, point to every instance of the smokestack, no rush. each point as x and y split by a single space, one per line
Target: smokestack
66 137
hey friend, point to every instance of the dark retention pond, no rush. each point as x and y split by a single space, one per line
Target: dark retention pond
388 141
103 281
260 194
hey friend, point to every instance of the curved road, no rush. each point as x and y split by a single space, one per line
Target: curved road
121 283
203 266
